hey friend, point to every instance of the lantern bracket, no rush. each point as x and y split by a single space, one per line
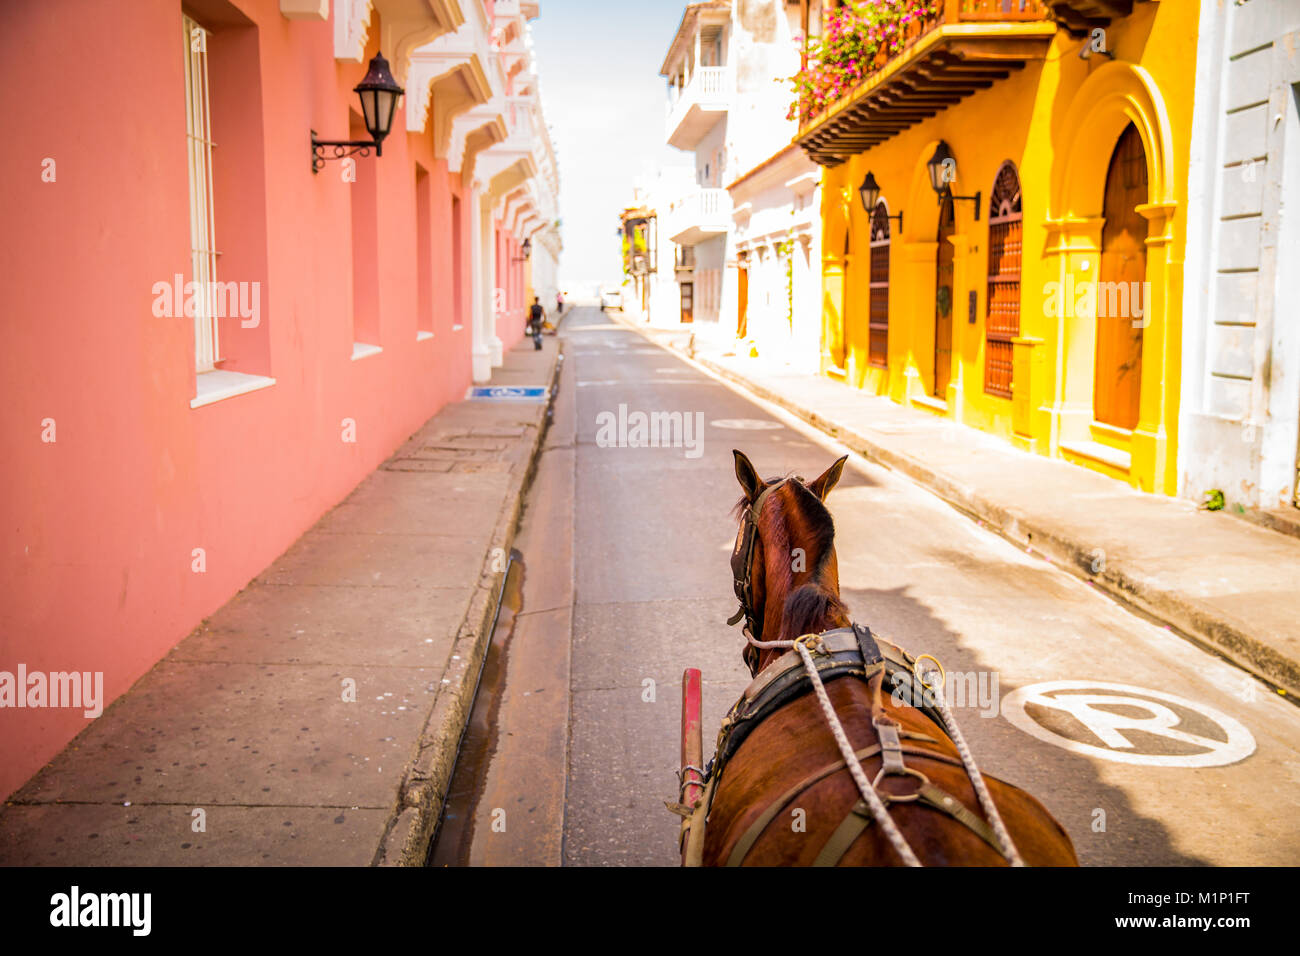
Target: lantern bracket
898 215
338 149
379 94
947 194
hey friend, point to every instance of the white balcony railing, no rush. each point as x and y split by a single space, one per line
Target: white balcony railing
692 109
699 215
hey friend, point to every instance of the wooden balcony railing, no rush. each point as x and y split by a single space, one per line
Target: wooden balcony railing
932 55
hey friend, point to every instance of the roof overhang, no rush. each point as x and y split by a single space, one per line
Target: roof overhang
1080 17
503 167
473 132
711 11
447 77
403 26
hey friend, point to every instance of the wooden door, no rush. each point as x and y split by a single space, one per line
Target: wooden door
878 316
943 301
1003 325
839 336
1117 387
742 301
688 301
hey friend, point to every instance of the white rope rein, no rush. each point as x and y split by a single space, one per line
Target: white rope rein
878 809
1005 843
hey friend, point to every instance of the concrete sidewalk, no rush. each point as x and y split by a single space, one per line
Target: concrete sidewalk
1221 581
315 718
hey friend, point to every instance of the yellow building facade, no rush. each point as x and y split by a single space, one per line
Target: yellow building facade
1041 302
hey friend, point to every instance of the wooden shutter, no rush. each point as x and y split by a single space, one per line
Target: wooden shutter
878 345
1005 226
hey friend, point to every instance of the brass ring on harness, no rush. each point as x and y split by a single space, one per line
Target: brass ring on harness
905 772
811 641
916 669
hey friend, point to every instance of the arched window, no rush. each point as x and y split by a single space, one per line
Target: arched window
1003 325
878 345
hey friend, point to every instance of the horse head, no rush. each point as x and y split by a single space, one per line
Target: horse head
784 564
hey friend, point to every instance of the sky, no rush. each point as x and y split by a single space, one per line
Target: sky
598 65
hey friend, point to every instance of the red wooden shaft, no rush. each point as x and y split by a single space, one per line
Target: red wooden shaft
692 740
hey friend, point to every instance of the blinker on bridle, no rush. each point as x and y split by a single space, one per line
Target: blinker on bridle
742 578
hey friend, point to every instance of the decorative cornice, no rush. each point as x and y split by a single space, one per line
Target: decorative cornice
471 133
450 83
305 9
404 25
351 26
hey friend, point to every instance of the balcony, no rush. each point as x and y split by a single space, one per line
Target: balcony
696 107
1081 17
699 216
967 46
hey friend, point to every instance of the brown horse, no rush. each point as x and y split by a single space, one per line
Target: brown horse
788 771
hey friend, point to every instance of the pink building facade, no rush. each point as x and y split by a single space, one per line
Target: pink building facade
162 448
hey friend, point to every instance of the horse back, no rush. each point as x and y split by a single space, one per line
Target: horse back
794 744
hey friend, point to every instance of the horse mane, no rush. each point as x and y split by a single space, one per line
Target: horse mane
810 609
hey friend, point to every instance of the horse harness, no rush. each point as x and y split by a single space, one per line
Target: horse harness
742 573
844 652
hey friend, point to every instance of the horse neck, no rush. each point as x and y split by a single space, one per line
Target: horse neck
800 602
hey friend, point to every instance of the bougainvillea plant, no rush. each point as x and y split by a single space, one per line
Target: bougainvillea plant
845 54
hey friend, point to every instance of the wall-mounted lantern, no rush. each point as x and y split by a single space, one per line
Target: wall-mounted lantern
526 249
943 170
378 92
869 191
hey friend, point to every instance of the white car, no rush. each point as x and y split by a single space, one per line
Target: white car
611 298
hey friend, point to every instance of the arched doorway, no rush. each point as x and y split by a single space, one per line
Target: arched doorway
1117 387
840 346
943 276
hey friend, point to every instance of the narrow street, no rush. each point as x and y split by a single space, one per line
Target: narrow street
648 546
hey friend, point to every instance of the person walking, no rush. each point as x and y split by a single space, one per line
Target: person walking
536 315
559 303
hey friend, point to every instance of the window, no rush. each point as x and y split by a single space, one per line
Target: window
1003 325
878 322
457 267
423 254
365 250
198 136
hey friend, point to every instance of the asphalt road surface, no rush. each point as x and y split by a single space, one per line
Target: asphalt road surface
1187 762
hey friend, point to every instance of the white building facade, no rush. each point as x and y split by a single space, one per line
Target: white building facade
650 292
777 273
748 229
1240 410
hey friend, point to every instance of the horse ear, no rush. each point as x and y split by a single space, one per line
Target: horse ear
747 475
822 485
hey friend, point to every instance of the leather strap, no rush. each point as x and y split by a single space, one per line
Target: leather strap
850 828
891 747
887 729
944 802
785 685
859 819
750 836
871 652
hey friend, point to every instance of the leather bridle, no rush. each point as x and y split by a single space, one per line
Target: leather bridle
742 572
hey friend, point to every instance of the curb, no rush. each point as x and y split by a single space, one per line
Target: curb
427 777
1208 631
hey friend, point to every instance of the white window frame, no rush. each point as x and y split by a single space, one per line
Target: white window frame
198 136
